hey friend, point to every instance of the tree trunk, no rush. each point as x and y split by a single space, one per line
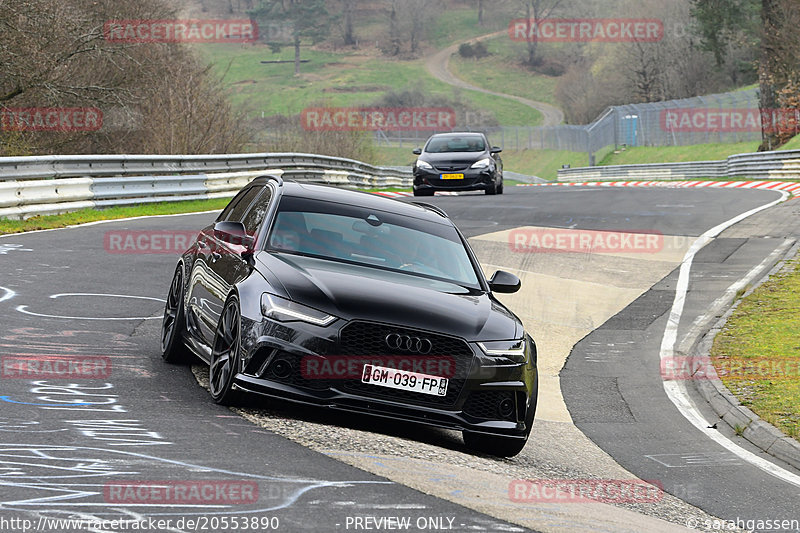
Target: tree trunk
349 38
297 55
394 32
767 76
480 12
533 36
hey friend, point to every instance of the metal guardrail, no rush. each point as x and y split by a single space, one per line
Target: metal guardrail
778 165
43 185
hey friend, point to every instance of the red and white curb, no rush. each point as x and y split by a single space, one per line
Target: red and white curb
789 186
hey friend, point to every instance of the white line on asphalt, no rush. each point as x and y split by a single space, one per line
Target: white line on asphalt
24 310
679 395
8 294
54 296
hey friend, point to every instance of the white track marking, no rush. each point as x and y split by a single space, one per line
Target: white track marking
8 294
109 295
24 308
676 391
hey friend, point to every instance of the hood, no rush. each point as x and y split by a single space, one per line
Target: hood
355 292
455 159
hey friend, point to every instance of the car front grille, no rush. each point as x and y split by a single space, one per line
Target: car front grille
452 167
368 339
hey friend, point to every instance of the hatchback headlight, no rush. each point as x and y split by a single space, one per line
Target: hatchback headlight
284 310
424 165
483 163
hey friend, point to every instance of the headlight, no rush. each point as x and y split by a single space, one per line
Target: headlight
424 165
483 163
284 310
512 349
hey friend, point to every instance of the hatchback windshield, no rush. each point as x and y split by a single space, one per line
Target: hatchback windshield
472 143
373 238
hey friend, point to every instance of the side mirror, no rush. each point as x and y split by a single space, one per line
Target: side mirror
234 233
504 282
417 151
496 150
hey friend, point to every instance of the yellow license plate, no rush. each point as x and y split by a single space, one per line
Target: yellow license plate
452 176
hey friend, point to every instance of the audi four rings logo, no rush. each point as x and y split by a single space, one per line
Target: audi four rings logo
409 344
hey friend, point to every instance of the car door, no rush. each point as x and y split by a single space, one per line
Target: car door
211 273
230 266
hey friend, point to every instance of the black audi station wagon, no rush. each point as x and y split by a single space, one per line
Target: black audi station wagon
354 302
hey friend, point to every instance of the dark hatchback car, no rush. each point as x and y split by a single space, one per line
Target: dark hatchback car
458 162
354 302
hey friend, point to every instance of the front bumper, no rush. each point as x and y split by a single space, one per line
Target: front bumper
474 180
486 395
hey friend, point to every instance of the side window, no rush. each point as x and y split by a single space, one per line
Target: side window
237 213
258 210
231 205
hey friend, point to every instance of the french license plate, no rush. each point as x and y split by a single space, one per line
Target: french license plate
404 380
452 176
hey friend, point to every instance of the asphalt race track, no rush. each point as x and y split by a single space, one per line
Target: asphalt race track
68 444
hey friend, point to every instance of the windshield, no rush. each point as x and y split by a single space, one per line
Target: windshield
472 143
372 238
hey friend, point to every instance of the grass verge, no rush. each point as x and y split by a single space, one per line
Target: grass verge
674 154
762 337
83 216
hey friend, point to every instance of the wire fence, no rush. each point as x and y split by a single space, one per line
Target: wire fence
719 118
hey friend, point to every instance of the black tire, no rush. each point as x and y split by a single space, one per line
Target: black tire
226 355
492 190
500 189
494 445
173 350
423 193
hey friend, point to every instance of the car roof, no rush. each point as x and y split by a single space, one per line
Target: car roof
327 193
458 134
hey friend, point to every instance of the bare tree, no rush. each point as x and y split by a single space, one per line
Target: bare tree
419 13
394 45
408 17
55 55
536 12
779 71
347 15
